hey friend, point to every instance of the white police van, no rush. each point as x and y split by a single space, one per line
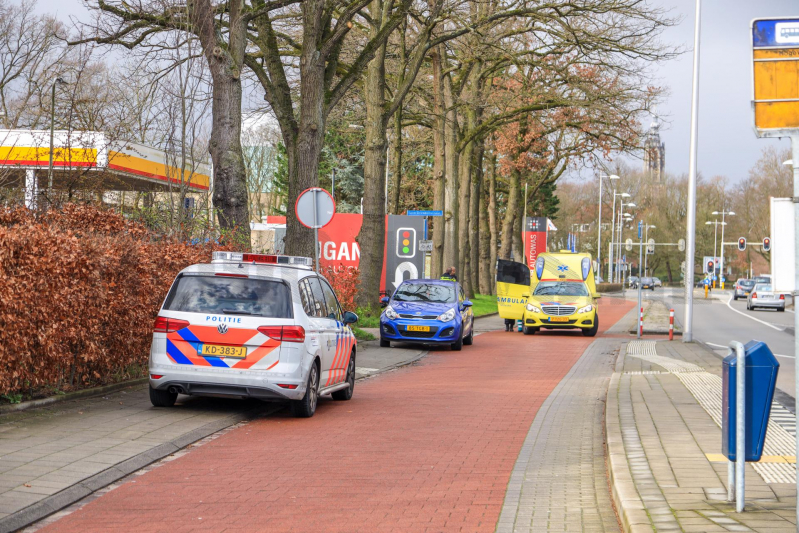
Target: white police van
253 326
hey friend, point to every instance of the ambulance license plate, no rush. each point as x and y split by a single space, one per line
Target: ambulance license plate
218 350
558 319
418 328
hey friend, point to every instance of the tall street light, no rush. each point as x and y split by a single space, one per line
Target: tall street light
613 234
723 213
716 223
599 222
58 81
622 216
690 237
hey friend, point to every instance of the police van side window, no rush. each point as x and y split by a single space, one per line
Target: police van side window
306 297
319 307
333 307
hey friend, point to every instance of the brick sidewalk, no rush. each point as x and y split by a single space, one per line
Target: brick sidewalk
428 448
51 457
664 442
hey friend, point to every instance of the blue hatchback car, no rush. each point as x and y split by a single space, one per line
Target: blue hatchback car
427 311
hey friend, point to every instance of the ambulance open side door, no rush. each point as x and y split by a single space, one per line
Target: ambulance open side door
513 288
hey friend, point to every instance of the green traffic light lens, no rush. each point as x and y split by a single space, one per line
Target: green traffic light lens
406 250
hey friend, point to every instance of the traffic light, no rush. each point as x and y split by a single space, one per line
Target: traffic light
741 244
711 267
766 244
406 242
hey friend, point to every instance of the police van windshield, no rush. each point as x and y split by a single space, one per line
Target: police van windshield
561 288
425 292
230 296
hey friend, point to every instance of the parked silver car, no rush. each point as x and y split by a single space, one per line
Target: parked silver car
657 281
764 296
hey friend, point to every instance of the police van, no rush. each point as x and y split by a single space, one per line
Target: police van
253 326
559 293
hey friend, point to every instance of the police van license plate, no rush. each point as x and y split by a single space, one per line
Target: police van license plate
217 350
558 319
418 328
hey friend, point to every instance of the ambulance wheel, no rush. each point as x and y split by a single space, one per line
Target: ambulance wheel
346 394
469 340
306 407
384 343
162 398
593 330
528 330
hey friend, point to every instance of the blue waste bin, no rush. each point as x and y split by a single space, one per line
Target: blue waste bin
761 378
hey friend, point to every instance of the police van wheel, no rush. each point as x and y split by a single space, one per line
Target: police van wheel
735 298
346 394
306 407
162 398
593 330
384 343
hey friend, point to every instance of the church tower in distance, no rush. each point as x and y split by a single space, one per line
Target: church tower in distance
654 153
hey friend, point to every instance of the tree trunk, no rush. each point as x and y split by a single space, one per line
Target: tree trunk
517 246
396 178
475 231
451 211
464 198
439 183
485 269
230 177
493 243
511 213
372 236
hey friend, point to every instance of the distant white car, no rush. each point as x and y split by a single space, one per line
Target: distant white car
763 296
657 281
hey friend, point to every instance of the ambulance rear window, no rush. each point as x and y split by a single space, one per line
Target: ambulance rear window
230 296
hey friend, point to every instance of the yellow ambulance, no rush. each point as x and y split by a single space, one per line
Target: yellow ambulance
559 293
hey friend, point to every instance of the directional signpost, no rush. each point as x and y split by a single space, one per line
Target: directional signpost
775 105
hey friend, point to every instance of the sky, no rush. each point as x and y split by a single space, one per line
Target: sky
727 143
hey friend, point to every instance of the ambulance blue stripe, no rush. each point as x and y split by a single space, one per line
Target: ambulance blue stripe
215 361
176 354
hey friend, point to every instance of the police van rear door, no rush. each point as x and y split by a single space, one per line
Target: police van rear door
513 288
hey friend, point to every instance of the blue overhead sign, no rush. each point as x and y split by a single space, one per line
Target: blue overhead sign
775 32
429 213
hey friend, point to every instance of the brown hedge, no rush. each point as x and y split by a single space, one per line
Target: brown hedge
79 291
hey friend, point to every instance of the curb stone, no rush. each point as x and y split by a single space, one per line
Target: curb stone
60 500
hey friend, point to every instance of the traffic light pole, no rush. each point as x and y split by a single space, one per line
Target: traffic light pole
795 154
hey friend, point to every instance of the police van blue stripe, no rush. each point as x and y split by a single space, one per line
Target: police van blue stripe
176 354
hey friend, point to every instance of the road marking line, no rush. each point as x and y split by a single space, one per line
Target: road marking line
751 317
727 348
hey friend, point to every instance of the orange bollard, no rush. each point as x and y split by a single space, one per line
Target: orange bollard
641 323
671 324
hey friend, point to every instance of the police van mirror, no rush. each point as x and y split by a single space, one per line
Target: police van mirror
350 317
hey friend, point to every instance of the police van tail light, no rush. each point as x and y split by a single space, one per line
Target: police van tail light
284 333
782 296
260 259
168 325
754 295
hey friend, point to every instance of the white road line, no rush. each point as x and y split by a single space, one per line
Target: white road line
751 317
727 347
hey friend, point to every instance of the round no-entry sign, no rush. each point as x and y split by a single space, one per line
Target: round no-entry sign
315 208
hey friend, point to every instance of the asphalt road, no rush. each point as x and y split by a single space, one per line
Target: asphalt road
719 320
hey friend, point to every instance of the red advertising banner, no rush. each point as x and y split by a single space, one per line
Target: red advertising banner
535 239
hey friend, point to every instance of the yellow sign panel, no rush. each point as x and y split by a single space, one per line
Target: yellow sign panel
775 72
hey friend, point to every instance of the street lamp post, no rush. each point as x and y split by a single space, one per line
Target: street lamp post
716 223
58 81
613 235
599 222
622 218
722 213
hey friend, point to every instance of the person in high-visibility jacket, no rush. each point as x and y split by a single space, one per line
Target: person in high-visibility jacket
449 274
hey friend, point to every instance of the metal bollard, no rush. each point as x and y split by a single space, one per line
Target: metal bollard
740 425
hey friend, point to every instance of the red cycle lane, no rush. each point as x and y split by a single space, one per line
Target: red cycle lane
424 448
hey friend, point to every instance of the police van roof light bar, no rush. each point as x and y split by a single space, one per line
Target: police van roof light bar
260 259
